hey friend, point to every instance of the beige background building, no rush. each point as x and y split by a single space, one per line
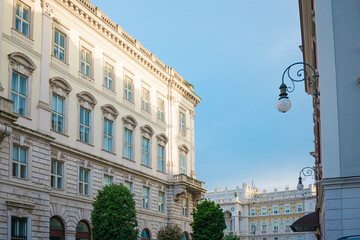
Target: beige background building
91 106
255 215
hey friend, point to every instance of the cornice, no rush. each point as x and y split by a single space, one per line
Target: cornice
113 32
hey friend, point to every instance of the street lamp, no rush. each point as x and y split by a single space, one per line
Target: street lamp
306 172
284 103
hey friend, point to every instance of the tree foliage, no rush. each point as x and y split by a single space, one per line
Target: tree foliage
231 236
114 215
169 232
208 222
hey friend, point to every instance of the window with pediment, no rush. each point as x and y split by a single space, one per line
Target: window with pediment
21 71
109 115
146 134
87 103
60 90
161 155
183 151
129 128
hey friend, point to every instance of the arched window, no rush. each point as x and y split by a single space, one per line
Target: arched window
287 225
145 234
57 229
185 236
263 226
83 231
253 228
276 226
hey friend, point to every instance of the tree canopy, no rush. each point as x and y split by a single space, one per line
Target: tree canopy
208 222
114 215
169 232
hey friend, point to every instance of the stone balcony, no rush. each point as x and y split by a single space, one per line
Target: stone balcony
186 184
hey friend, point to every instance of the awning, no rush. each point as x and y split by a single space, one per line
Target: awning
307 223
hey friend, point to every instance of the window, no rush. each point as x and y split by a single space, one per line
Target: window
19 93
185 207
182 122
108 180
161 158
57 174
145 100
108 135
108 78
287 238
146 152
146 197
287 209
84 180
276 238
19 228
145 235
263 210
276 226
22 19
83 231
19 165
161 202
161 110
182 164
287 225
57 116
129 186
252 211
84 125
128 89
128 139
59 45
86 62
300 207
253 228
263 226
275 210
57 229
300 238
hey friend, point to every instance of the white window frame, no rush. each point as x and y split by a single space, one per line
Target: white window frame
107 135
65 30
89 127
287 206
277 226
129 185
162 160
19 163
275 208
252 210
109 76
182 124
18 94
129 93
110 177
86 45
262 210
301 206
129 124
31 16
146 199
182 168
57 114
20 214
129 144
84 62
58 46
161 205
185 207
81 190
161 109
56 176
146 152
145 100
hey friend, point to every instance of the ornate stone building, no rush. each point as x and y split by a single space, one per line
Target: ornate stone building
255 215
83 104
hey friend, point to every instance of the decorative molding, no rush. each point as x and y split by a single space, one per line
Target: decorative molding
115 34
47 8
147 131
129 121
183 149
162 139
179 192
109 112
60 86
86 100
20 59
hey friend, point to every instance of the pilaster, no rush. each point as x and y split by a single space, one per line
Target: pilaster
43 106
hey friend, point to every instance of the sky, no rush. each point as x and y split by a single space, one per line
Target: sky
234 53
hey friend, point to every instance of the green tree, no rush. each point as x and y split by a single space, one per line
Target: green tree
231 236
208 221
169 232
114 215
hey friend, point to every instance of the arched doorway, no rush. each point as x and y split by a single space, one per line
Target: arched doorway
145 234
185 236
83 231
57 229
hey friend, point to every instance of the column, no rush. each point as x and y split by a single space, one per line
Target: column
1 27
43 107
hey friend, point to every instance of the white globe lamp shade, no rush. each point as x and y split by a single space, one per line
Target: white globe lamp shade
300 186
283 105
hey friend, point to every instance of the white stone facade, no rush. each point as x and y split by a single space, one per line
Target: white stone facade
255 215
149 107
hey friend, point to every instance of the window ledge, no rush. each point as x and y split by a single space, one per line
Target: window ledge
108 152
147 113
131 160
22 116
165 173
86 77
89 144
146 166
60 133
19 36
129 103
60 63
109 91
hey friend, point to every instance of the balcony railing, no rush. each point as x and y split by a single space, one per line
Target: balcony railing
187 179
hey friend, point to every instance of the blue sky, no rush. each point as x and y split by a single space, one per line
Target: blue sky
234 52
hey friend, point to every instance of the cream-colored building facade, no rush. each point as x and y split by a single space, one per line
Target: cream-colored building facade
255 215
90 106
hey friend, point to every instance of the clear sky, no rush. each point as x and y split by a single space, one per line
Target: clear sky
234 52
